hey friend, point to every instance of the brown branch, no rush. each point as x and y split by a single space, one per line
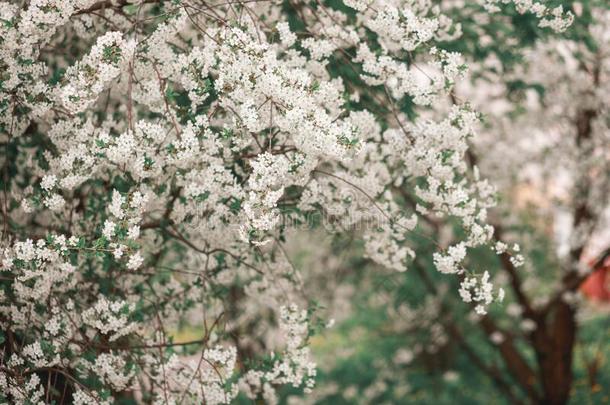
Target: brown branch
515 363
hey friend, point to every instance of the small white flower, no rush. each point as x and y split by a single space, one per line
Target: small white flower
48 182
108 230
134 232
135 261
497 337
118 252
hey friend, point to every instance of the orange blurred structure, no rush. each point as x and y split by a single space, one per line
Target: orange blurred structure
597 285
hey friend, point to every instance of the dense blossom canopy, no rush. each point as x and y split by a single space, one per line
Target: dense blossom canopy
161 154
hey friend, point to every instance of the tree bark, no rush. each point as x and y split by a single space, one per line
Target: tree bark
554 351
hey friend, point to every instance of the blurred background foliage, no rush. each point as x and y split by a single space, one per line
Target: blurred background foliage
358 356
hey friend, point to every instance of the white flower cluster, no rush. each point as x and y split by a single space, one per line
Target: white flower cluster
31 391
387 245
269 175
359 5
479 291
437 154
112 370
39 269
403 28
450 263
88 78
555 18
23 33
294 366
423 83
111 318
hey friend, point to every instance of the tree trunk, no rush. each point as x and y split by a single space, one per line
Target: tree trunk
554 351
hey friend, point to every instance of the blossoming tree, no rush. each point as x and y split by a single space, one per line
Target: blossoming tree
543 143
158 156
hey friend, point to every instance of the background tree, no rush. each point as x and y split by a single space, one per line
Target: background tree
545 146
